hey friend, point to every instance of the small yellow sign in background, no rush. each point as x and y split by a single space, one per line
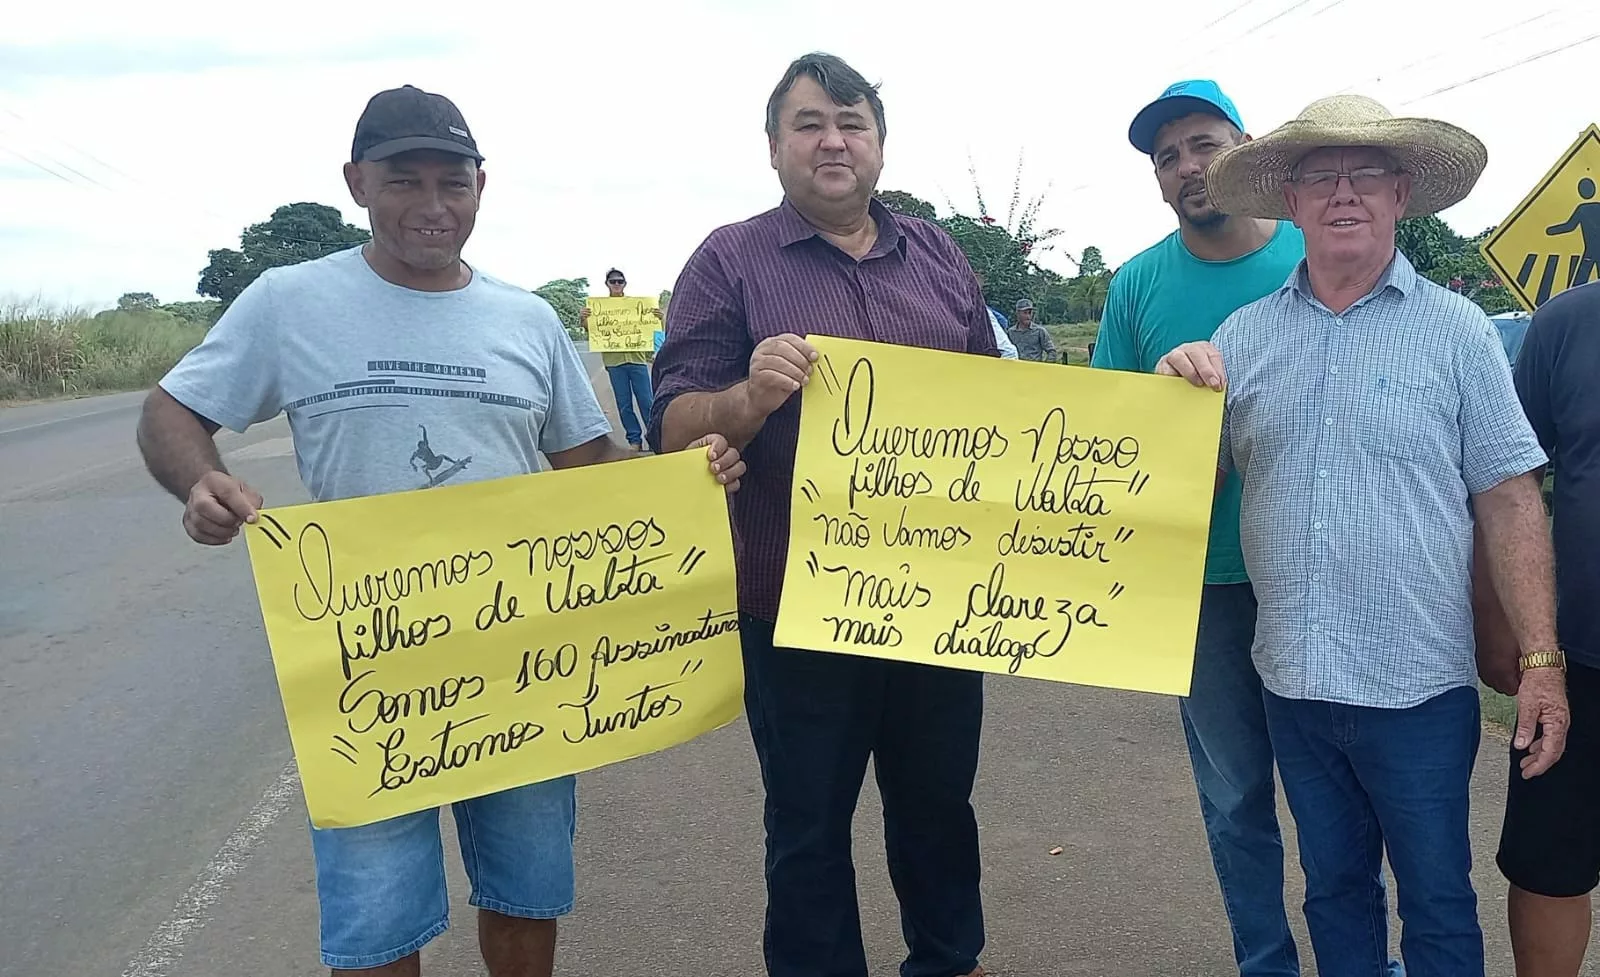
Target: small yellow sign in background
1020 518
447 643
624 325
1551 242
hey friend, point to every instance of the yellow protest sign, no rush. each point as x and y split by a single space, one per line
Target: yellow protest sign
1022 518
1551 242
624 325
446 643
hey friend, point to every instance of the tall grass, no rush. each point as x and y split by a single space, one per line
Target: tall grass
48 352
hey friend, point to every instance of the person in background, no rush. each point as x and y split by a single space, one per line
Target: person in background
1032 341
629 373
1550 837
830 260
1174 292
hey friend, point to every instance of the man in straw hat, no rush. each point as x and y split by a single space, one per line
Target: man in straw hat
1371 415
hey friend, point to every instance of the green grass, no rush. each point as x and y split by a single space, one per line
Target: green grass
1501 710
1073 338
52 352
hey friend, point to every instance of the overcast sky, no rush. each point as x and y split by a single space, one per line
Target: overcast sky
136 137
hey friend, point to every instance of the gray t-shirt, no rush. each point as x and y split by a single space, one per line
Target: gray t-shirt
388 388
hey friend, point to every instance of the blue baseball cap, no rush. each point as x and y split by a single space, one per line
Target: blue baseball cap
1180 99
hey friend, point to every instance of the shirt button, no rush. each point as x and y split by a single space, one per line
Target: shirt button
1315 577
1328 421
1316 525
1334 370
1316 628
1322 473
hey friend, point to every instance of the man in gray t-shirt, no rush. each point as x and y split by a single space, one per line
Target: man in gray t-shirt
400 367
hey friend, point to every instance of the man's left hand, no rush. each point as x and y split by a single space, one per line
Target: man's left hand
1541 706
727 467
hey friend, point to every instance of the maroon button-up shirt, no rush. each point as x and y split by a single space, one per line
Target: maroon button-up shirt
774 274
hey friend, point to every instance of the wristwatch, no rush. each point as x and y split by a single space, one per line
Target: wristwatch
1542 659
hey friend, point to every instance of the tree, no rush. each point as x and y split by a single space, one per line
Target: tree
1446 258
1090 262
202 313
566 296
904 203
137 302
294 233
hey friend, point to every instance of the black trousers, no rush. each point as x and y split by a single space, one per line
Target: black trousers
815 718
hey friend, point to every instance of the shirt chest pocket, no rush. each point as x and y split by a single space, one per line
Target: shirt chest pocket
1407 418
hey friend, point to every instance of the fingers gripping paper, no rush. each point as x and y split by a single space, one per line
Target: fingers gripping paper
447 643
1009 517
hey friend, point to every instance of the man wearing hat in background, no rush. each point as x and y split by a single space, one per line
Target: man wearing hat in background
1371 416
1177 291
475 378
1031 340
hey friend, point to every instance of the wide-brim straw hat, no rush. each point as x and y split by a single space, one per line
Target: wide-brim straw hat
1444 161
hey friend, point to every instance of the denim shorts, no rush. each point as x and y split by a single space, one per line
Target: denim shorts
381 887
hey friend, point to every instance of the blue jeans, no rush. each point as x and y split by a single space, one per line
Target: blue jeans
815 718
381 886
631 382
1358 780
1226 726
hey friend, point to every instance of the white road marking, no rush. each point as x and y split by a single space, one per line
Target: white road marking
192 912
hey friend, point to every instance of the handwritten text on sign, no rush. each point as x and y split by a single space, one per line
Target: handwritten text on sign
1022 518
443 644
624 325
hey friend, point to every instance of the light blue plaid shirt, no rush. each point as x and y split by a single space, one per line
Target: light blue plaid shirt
1359 439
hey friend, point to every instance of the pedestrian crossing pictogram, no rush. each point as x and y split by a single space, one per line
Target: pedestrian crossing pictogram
1551 242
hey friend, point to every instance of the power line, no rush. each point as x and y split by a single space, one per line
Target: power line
1501 70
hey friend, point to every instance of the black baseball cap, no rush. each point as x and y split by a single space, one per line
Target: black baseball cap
407 118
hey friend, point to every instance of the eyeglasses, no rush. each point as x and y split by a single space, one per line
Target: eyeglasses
1364 180
616 281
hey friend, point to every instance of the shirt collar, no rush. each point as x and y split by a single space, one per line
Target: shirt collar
793 228
1401 275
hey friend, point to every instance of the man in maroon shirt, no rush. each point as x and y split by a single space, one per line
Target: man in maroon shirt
832 261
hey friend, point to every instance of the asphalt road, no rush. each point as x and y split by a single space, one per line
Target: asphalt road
150 824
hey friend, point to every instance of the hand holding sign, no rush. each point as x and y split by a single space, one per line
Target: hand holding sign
218 505
443 644
1028 519
779 366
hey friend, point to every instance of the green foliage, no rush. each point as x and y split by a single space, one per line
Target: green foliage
904 203
1445 257
294 233
136 301
1090 262
49 352
566 296
202 313
663 299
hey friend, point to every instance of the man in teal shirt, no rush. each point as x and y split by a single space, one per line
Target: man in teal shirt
1179 291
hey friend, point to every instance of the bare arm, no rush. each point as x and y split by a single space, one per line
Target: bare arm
177 444
180 452
694 415
597 452
723 459
1520 562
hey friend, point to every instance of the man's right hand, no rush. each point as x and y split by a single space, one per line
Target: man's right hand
583 317
1199 363
218 505
779 366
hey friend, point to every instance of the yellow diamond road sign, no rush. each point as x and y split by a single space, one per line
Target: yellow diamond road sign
1551 242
